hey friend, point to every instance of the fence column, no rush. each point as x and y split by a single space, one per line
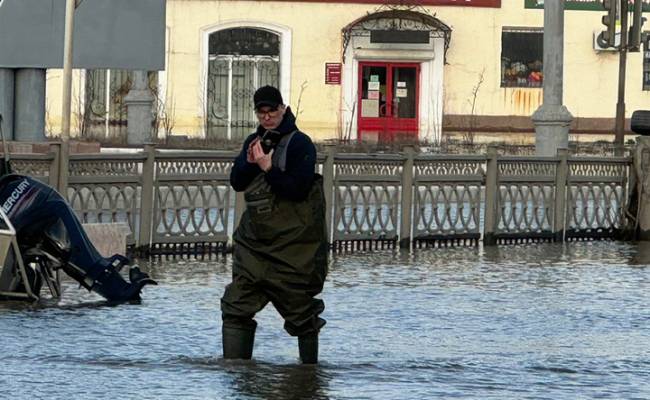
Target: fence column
53 178
559 213
491 197
642 166
328 187
407 198
147 200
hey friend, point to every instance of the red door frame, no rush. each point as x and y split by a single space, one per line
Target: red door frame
388 125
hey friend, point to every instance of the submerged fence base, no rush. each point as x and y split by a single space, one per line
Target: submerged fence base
439 243
363 245
599 234
171 249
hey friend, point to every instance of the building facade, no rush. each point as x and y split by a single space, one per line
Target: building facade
368 70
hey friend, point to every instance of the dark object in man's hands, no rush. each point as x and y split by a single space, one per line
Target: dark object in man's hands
269 140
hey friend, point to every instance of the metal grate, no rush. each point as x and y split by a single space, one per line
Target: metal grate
103 112
240 61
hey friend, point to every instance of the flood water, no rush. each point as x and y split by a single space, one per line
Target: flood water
542 321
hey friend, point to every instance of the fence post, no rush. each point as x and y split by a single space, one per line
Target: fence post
561 176
642 166
55 151
491 197
147 200
328 187
407 198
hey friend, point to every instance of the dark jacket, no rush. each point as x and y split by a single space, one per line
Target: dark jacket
295 182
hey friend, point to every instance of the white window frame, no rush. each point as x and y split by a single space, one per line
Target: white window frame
431 85
285 36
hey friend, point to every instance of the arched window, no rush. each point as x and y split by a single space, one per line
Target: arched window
240 61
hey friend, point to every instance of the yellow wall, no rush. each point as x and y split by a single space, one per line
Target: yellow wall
590 77
53 107
316 34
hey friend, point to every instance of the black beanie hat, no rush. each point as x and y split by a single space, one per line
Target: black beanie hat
267 96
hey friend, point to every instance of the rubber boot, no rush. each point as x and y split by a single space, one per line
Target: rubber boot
308 348
237 343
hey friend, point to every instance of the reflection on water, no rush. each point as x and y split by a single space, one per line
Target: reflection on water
560 321
279 381
641 255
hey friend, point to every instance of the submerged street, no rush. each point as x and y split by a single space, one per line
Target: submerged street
529 322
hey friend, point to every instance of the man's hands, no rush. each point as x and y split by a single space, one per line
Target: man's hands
255 155
249 152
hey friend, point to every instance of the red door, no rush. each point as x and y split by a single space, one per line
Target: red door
388 100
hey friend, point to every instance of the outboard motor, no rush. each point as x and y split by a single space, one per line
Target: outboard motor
50 236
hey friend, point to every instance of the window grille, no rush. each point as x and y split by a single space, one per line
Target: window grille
244 42
240 61
103 112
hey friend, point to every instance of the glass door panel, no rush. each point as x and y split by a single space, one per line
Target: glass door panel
404 92
373 91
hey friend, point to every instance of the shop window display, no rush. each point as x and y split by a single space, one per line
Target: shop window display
522 52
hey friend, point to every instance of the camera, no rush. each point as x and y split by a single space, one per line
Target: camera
269 140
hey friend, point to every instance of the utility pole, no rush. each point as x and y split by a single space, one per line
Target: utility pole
70 7
629 42
552 119
619 129
67 69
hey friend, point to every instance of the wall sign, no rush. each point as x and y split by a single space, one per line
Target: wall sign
333 73
462 3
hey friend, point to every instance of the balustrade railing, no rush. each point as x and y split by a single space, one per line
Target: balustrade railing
182 201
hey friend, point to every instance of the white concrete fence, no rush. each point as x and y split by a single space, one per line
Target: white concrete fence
175 202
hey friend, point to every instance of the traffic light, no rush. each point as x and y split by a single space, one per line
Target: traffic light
637 27
607 38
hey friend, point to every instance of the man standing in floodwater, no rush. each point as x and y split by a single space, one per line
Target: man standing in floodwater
280 245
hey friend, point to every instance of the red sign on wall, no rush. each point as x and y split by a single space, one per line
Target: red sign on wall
466 3
333 73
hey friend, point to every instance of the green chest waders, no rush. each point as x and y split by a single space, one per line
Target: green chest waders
280 255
